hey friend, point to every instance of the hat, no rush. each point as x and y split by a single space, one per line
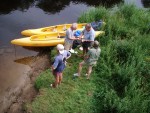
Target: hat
96 44
60 48
77 33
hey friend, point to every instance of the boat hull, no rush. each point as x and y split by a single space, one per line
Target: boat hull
44 40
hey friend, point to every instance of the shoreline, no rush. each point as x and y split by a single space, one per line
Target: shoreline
24 92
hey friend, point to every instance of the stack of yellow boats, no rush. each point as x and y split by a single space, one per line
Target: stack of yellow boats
47 36
46 30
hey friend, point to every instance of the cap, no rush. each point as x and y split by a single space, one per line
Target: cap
77 33
96 44
60 48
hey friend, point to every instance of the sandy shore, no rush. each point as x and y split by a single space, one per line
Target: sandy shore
17 77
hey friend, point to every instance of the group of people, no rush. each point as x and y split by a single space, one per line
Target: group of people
91 52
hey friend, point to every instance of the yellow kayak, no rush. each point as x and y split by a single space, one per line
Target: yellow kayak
44 40
51 29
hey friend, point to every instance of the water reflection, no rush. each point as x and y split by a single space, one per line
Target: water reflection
26 60
51 6
6 6
106 3
29 60
146 3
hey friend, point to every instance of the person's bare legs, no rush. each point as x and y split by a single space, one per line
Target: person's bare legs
55 84
84 52
60 78
80 68
67 46
89 72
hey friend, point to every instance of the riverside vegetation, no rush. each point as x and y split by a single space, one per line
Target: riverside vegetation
120 83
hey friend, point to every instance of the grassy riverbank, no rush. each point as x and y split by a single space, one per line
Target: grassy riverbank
121 80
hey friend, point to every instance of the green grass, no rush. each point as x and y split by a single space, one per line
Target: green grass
73 95
120 82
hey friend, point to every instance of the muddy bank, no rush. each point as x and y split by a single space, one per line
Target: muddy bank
19 91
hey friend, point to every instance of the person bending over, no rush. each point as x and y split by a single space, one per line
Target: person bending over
90 59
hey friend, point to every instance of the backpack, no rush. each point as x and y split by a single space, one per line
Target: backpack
96 25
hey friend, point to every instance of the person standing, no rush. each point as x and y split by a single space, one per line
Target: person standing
88 37
59 64
90 59
70 37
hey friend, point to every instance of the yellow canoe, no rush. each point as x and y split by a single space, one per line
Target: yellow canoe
51 29
44 40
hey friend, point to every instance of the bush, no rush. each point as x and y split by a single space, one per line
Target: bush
122 71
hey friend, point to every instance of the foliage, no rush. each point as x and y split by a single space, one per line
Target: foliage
121 80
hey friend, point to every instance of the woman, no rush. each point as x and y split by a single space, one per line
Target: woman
59 64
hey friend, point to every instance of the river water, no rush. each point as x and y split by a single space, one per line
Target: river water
18 15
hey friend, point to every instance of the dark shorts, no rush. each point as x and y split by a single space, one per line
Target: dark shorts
57 73
86 44
76 43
